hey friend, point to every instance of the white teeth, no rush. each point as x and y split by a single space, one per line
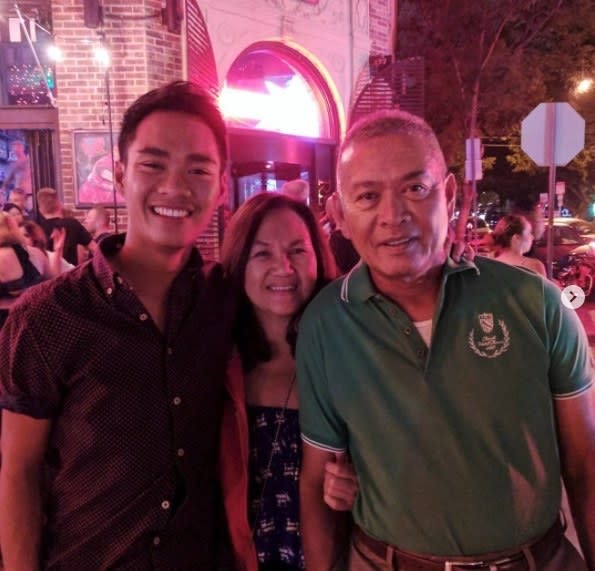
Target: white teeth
281 288
171 212
397 242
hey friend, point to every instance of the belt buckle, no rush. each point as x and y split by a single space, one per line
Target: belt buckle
452 565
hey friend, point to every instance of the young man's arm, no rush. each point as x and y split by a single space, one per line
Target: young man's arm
323 530
576 436
23 446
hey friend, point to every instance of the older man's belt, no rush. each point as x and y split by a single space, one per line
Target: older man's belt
528 556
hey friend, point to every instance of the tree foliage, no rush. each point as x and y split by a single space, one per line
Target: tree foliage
489 62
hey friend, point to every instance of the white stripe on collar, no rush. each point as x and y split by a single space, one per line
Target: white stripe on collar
345 284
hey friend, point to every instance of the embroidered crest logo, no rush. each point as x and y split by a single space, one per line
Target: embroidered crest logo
490 342
486 320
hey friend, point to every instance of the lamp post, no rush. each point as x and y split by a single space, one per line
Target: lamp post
103 58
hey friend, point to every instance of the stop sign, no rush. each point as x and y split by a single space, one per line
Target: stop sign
557 124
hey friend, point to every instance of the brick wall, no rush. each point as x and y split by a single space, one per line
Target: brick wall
144 55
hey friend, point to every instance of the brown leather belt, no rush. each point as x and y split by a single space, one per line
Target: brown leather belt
540 550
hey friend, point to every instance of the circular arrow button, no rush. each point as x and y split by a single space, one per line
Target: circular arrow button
573 296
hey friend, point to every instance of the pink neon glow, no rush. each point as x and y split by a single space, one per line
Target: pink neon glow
291 109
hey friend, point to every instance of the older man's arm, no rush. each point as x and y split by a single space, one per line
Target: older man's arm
576 436
324 531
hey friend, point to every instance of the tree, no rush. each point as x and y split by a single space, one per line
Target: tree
473 49
489 62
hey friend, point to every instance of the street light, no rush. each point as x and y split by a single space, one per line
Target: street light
584 85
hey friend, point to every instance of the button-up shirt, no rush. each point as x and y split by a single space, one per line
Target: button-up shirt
131 457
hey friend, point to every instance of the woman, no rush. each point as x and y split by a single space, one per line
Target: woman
35 236
21 266
513 238
276 258
15 211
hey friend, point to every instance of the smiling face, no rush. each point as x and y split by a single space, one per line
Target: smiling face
171 181
281 270
396 202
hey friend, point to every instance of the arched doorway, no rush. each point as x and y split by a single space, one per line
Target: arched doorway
283 121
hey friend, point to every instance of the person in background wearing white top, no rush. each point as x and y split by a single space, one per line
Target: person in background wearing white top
513 238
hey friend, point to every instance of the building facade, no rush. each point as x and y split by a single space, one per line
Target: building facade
287 74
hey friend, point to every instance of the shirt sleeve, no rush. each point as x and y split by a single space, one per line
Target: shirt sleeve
571 370
83 236
27 384
320 423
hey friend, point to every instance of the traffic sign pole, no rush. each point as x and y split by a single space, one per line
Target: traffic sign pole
552 135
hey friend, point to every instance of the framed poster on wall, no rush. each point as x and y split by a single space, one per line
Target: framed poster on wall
93 175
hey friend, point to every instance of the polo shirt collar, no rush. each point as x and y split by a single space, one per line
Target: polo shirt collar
357 286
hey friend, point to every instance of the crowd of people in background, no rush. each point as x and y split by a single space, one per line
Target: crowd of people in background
415 409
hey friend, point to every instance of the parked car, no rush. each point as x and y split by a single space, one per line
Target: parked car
583 227
566 241
574 257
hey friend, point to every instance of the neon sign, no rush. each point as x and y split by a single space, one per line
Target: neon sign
291 109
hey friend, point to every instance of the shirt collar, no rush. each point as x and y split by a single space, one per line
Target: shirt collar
357 286
109 246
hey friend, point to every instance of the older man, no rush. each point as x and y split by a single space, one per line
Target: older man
461 391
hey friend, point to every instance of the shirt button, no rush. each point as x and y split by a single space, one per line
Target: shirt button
181 452
143 317
177 401
156 540
120 281
165 504
407 331
421 353
109 291
169 350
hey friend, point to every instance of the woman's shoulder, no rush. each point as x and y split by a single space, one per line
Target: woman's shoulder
534 265
10 267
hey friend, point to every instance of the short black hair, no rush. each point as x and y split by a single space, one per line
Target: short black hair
180 97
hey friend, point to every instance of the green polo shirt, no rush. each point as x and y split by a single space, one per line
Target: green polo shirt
455 446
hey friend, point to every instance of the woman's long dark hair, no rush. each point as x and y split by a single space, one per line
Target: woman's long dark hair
250 338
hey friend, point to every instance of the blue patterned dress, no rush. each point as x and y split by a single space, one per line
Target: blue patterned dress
277 533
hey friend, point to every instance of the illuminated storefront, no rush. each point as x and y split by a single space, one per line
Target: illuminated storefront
283 121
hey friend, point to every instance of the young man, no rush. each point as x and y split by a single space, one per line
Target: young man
461 391
112 376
